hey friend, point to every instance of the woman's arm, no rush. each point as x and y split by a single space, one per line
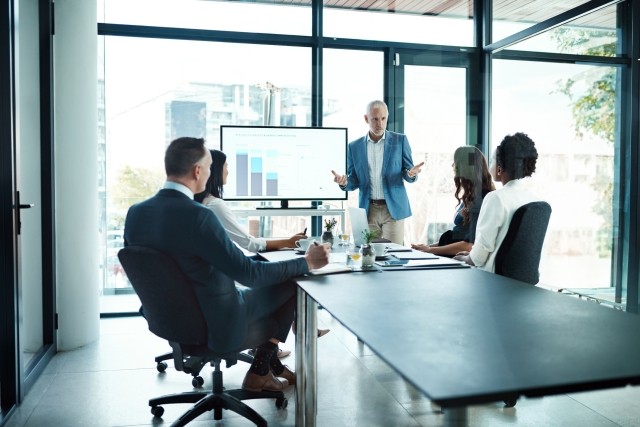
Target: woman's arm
446 250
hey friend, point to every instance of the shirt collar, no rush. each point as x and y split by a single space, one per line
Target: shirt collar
384 135
172 185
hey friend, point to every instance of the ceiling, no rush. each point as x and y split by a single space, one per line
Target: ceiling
527 11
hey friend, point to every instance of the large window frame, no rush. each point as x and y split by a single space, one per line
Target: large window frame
625 272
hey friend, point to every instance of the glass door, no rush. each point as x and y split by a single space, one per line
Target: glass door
430 106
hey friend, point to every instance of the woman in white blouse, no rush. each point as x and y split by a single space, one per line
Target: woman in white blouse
212 198
515 162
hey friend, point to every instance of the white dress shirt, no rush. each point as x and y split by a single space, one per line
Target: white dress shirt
375 156
497 210
171 185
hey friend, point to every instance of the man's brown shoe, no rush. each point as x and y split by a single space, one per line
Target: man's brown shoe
287 374
255 382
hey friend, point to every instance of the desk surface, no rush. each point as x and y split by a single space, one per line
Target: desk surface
464 336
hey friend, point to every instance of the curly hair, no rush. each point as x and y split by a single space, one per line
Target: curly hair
517 155
470 167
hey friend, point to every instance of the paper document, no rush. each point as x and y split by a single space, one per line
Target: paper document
394 247
330 269
414 255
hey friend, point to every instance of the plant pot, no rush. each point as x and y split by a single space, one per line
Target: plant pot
368 256
327 237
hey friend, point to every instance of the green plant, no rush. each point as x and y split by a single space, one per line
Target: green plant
369 235
329 224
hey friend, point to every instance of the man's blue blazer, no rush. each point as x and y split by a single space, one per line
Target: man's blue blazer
395 165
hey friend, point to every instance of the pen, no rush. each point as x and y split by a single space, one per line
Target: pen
305 231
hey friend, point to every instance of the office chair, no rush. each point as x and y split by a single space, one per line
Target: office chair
173 313
519 254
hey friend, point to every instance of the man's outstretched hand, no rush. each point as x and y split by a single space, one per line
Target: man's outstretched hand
415 170
340 179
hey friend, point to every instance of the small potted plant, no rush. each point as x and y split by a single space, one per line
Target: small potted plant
329 225
367 251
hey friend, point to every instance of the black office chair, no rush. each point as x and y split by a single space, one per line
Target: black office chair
173 313
519 254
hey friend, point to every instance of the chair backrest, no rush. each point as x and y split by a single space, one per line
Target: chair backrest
168 300
519 254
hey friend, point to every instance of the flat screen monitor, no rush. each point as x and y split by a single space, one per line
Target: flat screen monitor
283 163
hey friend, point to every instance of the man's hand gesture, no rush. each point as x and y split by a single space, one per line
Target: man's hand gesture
415 170
340 179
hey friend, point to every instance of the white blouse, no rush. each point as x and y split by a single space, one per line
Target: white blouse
235 231
496 212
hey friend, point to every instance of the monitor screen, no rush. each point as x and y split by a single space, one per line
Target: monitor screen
283 163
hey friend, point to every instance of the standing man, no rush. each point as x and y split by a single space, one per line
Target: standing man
172 222
377 164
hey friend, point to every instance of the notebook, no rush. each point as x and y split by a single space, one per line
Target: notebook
359 223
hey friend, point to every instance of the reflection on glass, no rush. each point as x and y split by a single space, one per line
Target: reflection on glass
426 22
569 111
435 124
186 88
510 17
594 34
255 17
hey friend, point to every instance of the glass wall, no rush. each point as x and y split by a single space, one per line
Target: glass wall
192 87
183 88
559 106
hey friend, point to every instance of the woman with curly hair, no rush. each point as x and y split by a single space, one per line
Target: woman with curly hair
515 161
473 181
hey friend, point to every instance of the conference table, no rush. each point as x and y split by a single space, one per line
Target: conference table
463 336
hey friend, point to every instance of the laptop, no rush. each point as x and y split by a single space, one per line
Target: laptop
359 223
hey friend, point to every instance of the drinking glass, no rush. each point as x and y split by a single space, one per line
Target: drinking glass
354 257
344 239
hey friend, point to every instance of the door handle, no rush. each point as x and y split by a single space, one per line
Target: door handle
27 206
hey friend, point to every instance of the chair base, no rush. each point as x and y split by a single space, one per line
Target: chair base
217 400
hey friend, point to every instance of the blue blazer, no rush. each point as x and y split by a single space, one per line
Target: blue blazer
190 233
395 166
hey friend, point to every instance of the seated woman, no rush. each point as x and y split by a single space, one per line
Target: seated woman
473 182
515 161
212 198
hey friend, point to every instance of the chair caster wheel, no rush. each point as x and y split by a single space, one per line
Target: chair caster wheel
510 403
161 366
282 403
197 382
157 411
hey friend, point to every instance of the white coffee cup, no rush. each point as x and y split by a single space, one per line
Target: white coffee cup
380 248
303 244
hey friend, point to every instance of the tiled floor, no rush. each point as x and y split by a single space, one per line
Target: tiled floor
108 383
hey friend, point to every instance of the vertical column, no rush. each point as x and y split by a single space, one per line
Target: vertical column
76 186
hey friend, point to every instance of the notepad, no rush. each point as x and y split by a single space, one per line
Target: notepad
330 269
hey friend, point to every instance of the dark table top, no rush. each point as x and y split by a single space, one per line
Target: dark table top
465 336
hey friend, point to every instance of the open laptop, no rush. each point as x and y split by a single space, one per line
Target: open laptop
359 223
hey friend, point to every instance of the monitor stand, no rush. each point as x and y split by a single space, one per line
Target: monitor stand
284 204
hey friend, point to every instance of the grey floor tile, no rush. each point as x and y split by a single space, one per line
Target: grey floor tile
108 384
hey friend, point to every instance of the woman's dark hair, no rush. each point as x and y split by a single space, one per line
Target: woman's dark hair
214 183
470 168
517 155
182 154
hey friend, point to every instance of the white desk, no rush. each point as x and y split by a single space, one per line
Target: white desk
290 212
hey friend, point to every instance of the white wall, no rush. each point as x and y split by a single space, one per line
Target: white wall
75 76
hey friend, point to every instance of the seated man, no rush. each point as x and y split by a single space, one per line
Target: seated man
172 222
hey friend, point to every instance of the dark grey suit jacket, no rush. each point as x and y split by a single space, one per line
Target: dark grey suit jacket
188 231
